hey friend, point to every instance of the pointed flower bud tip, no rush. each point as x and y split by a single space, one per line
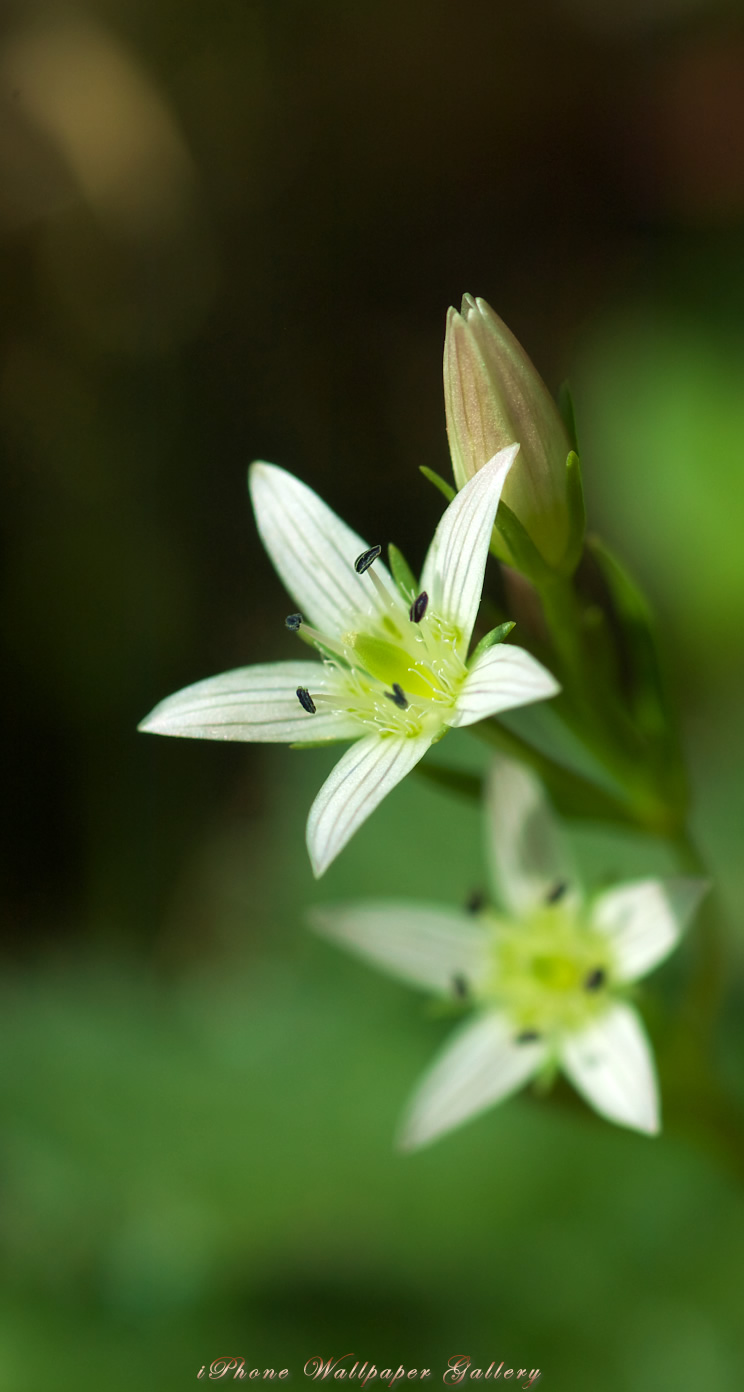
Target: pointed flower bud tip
494 396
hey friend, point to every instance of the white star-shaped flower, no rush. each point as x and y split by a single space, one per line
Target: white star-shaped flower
546 976
394 670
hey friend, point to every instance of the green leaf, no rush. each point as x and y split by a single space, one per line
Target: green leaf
440 483
576 514
525 555
571 793
639 664
402 573
497 635
568 414
575 797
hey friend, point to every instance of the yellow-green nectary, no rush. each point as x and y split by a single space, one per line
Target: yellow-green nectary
494 396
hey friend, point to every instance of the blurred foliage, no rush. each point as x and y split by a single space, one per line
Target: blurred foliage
233 231
204 1165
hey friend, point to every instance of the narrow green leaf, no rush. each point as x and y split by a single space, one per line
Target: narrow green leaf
497 635
440 483
402 573
575 797
568 414
576 514
571 793
526 557
639 664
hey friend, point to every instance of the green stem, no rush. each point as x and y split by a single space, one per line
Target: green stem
649 770
591 709
595 706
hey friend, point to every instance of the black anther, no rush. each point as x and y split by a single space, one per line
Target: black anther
397 696
418 608
366 559
595 980
475 901
556 893
306 700
528 1037
292 622
460 987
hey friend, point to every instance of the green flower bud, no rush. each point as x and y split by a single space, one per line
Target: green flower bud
493 397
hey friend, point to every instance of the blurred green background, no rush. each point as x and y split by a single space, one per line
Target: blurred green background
229 231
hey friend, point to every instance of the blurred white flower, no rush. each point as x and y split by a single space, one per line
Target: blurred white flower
546 976
394 673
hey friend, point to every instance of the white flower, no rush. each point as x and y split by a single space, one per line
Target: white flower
547 976
394 673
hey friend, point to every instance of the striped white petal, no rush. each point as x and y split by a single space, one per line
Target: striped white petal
361 779
314 552
500 679
610 1063
456 561
529 862
479 1067
254 703
427 946
645 921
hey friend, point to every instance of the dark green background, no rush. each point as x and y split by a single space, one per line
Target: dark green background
199 1098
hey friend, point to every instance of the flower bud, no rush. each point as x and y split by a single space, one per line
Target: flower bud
494 397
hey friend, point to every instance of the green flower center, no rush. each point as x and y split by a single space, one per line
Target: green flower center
424 670
398 669
421 664
550 971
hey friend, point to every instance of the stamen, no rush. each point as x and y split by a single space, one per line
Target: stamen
556 893
366 559
475 901
320 640
387 599
460 987
362 565
527 1037
595 980
292 622
418 608
397 696
306 700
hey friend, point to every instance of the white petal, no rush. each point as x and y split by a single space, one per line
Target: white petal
313 551
423 945
358 783
253 703
645 921
480 1066
527 854
610 1063
500 679
456 561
